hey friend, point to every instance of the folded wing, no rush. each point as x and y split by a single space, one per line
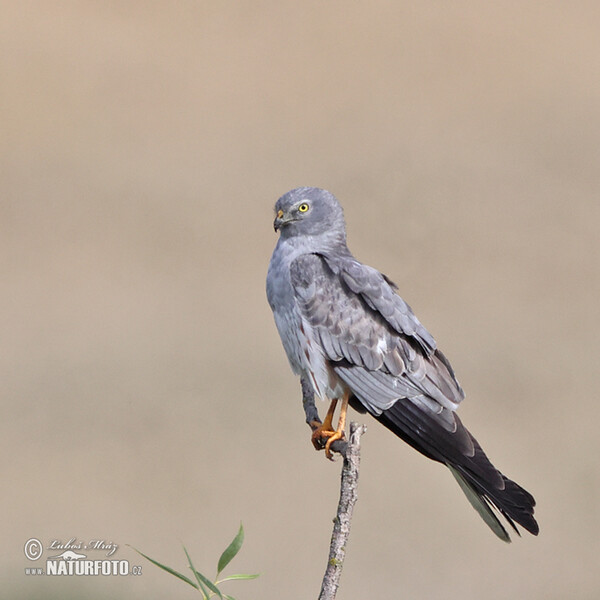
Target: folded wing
371 337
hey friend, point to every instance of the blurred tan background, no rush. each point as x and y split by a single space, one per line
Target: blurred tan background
146 398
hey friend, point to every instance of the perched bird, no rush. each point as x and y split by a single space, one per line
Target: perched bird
348 333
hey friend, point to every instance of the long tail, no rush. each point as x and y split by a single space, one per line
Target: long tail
485 487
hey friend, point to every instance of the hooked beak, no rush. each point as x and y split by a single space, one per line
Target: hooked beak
281 219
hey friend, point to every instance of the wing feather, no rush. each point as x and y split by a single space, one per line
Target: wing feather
379 294
371 337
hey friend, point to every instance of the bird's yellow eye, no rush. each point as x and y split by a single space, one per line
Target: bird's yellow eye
303 207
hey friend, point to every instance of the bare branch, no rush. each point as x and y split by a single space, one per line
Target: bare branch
343 519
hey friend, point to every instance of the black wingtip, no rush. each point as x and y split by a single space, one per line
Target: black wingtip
485 487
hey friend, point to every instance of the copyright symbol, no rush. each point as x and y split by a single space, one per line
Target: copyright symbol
33 549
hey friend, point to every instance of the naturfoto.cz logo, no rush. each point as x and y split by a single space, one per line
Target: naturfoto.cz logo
74 560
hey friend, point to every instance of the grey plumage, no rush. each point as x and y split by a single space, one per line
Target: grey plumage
344 328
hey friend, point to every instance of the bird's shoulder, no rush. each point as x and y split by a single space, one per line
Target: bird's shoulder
342 279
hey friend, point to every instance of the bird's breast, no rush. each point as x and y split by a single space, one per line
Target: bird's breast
299 339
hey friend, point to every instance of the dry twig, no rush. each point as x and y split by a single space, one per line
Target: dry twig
343 519
350 450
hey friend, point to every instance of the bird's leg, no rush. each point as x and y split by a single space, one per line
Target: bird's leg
339 432
325 429
308 403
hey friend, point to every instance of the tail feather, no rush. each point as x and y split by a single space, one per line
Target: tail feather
481 505
484 486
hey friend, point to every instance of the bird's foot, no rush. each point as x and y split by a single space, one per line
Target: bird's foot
323 436
337 435
320 434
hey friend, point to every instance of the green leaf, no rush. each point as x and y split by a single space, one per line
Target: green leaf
239 576
231 550
202 580
229 597
208 583
203 588
167 569
205 593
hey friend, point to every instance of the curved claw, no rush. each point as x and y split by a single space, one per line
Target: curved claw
324 431
321 436
336 435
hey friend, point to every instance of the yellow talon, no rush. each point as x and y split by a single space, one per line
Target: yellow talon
325 430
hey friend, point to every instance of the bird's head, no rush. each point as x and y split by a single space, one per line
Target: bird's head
309 211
